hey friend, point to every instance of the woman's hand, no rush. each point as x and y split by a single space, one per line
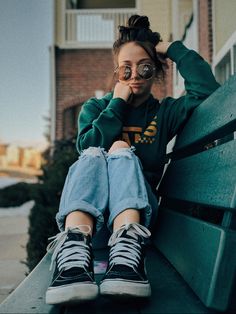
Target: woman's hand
122 91
162 47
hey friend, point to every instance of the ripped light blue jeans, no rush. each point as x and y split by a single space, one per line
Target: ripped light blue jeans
99 183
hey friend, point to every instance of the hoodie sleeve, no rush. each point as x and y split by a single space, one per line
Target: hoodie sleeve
199 80
199 83
100 125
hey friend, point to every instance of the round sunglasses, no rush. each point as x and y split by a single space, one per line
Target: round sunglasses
145 71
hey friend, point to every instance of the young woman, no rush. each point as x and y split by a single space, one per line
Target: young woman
122 143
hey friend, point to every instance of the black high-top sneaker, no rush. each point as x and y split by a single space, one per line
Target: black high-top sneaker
126 274
73 278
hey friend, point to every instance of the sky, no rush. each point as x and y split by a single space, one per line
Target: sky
26 29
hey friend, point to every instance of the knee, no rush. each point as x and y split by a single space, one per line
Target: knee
117 145
92 151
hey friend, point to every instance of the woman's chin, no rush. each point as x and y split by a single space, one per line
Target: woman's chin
137 91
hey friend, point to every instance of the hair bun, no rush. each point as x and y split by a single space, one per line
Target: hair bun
138 21
138 29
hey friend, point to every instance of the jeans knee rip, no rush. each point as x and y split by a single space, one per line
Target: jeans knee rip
93 151
126 152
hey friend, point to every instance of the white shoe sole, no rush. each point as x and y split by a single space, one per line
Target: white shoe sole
112 287
73 293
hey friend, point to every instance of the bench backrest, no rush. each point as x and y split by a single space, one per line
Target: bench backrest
196 226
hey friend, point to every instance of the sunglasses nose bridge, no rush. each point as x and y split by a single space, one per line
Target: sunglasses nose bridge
134 73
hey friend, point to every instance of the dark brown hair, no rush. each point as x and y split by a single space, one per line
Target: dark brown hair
138 31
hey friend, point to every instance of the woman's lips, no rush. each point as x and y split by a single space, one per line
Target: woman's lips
135 85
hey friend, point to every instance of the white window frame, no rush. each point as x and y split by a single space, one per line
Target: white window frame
228 47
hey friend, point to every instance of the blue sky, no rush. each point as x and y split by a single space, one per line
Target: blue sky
25 37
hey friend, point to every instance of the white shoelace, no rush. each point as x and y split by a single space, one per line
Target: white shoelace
69 254
127 251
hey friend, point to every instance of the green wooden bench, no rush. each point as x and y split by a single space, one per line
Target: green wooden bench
191 261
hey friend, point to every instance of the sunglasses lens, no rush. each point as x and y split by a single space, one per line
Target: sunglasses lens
125 73
145 71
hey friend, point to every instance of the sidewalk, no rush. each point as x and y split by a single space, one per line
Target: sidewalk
13 240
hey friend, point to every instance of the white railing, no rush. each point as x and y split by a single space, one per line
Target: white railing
95 28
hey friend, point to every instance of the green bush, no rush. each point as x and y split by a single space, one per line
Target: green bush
47 196
15 195
42 225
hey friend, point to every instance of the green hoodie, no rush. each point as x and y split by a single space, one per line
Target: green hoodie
153 124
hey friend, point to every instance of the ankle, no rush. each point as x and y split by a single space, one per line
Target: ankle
81 220
126 217
85 229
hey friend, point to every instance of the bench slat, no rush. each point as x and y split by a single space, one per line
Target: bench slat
204 254
207 178
170 293
29 296
215 114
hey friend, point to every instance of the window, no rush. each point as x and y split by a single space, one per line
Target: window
225 66
223 69
225 60
70 118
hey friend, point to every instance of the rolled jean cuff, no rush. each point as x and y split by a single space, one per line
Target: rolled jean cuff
131 203
81 206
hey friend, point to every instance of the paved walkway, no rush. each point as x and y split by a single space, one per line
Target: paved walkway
13 240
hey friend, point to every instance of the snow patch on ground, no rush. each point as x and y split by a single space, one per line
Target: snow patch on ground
7 181
22 210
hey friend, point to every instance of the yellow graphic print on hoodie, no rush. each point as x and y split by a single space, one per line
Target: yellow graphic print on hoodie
146 137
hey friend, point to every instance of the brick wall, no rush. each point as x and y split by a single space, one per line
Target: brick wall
205 29
78 74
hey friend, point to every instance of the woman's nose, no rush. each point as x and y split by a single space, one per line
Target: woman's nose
134 73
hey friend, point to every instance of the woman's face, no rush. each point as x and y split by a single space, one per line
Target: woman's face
132 55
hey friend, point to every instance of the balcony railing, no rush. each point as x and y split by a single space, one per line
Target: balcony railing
95 28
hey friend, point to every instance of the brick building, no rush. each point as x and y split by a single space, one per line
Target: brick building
80 74
14 157
81 58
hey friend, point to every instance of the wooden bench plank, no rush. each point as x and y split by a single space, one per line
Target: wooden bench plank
170 293
207 178
204 254
29 296
217 114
